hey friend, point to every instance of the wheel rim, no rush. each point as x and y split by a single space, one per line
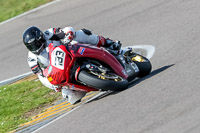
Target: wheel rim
107 76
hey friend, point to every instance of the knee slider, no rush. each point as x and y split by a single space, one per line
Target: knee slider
87 32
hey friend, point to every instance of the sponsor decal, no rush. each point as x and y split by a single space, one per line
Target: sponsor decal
50 69
135 67
81 50
129 70
50 78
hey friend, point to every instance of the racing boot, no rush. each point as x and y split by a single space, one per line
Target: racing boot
109 44
72 96
113 45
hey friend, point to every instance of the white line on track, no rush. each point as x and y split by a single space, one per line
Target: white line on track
16 78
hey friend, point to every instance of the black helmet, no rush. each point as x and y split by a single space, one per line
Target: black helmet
33 39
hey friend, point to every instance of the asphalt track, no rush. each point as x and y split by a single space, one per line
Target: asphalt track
166 101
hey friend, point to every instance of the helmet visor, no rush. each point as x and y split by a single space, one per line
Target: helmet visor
36 46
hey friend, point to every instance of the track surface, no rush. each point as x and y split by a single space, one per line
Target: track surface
166 101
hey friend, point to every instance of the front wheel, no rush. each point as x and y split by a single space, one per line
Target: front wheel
103 81
143 64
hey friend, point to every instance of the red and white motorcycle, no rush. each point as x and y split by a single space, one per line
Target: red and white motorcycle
88 68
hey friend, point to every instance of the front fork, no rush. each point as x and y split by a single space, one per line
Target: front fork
130 67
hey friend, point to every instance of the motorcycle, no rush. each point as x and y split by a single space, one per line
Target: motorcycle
88 68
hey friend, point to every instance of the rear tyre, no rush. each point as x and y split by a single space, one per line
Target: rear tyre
102 84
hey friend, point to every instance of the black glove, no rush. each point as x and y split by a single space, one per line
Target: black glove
58 34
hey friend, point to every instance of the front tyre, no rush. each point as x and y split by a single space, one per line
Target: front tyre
102 82
143 64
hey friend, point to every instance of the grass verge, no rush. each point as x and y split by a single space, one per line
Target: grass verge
18 102
11 8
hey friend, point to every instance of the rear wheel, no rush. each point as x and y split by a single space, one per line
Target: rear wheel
103 81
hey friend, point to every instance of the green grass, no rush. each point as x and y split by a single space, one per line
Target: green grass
11 8
18 99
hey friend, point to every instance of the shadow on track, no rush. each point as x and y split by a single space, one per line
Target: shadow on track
134 82
153 73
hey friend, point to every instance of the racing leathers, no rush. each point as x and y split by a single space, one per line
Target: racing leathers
59 36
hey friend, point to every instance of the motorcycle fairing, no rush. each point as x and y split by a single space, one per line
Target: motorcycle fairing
62 59
59 58
90 51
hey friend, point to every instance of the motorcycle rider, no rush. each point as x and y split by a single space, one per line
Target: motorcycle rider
37 43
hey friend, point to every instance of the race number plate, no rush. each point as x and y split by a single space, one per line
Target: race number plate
58 58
